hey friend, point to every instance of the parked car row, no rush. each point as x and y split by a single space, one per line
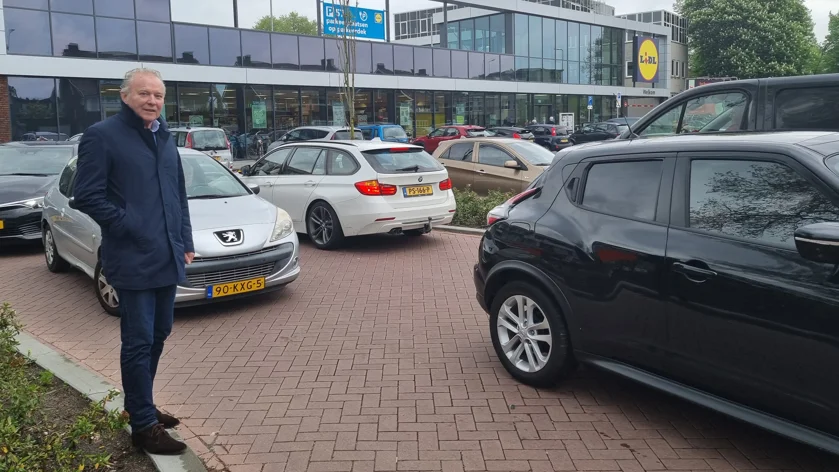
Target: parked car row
244 226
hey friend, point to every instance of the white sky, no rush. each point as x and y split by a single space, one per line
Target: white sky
220 12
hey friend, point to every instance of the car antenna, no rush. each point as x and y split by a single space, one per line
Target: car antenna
632 134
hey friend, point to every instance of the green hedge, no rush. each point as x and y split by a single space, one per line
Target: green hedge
472 208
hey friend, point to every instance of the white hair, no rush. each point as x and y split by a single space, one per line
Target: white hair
129 77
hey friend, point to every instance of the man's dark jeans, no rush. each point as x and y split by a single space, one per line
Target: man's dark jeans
146 321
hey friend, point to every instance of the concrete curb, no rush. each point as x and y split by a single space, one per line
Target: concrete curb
96 387
461 230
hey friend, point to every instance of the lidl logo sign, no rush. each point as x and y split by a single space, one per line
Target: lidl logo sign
647 59
379 18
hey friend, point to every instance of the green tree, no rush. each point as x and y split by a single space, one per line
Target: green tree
291 23
830 50
749 38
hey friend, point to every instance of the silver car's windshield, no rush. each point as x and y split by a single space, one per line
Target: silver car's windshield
206 178
26 160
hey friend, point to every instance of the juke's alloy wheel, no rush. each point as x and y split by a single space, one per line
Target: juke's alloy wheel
530 336
323 227
54 261
105 293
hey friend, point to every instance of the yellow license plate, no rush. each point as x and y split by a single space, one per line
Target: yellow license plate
1 224
235 288
417 191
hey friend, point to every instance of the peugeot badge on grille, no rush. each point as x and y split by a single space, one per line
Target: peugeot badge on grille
230 237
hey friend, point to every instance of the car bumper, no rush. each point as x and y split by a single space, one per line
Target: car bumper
279 265
404 219
480 287
20 224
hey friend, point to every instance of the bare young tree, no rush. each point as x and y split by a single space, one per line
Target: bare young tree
346 50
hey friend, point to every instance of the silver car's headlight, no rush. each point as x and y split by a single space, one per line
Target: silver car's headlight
283 227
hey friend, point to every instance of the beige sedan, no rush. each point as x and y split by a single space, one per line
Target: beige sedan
487 163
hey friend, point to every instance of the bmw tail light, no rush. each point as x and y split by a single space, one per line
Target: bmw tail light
188 141
553 131
374 188
446 184
516 136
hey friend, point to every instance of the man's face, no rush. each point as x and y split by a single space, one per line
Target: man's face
146 96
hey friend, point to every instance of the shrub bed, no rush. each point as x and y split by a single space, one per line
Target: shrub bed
472 208
47 426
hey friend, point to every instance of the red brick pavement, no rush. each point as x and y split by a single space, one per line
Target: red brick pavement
378 359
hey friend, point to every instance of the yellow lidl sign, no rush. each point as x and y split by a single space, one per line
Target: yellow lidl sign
647 59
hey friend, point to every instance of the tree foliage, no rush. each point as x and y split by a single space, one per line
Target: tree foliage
830 49
749 38
292 23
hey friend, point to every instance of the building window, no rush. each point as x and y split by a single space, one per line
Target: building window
72 6
363 58
115 8
27 32
383 58
225 47
521 34
422 62
548 38
403 60
460 64
256 49
32 107
34 4
442 63
535 36
156 45
116 38
194 105
311 53
497 34
73 35
286 109
191 44
453 35
152 10
467 33
482 34
334 55
78 105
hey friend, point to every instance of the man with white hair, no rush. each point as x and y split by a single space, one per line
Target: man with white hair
130 180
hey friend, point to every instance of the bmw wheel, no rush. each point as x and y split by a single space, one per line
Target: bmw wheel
530 336
323 227
105 293
55 263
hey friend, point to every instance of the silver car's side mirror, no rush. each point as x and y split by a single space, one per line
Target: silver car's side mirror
71 202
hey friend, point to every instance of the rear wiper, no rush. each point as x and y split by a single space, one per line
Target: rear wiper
414 168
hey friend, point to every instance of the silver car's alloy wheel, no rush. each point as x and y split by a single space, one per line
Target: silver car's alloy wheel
108 293
322 225
524 333
49 247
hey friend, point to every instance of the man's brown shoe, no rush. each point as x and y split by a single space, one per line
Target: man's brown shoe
168 421
156 440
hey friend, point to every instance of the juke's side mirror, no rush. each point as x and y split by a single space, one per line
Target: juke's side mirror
818 242
72 203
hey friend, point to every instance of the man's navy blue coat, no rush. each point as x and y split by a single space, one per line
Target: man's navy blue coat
134 189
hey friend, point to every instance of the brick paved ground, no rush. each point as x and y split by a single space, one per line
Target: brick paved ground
378 358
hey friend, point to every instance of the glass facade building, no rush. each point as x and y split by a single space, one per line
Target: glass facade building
510 50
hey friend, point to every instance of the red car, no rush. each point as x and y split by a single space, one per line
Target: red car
445 133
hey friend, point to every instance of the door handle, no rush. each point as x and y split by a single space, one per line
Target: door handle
693 273
310 183
269 184
481 171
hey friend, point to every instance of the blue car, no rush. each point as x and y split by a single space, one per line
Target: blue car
385 132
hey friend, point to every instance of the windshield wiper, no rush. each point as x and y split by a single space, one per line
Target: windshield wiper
210 197
29 174
414 168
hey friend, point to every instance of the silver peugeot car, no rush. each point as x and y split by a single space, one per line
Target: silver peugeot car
244 245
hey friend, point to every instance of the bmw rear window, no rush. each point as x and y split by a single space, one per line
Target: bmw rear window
398 161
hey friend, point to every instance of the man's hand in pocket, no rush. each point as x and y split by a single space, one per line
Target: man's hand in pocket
188 257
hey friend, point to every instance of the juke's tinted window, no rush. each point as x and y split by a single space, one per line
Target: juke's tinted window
764 201
628 189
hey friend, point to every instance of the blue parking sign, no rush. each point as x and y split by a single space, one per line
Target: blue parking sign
365 23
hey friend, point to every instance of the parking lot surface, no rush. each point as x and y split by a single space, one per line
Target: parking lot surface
378 359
